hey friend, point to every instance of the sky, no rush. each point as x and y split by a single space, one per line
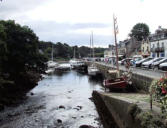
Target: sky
71 21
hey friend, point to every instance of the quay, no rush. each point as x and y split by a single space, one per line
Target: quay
129 110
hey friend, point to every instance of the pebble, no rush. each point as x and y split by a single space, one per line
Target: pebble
86 126
61 107
59 121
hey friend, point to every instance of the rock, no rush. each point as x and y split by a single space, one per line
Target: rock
82 116
91 98
80 107
61 107
74 117
59 121
86 126
31 93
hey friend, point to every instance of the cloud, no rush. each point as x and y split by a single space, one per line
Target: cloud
71 33
72 20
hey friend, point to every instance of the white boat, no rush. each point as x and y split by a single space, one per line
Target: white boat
64 66
50 70
51 63
93 70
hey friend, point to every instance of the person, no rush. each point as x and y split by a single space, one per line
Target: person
127 64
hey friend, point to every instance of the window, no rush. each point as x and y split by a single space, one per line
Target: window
158 44
153 46
162 44
147 48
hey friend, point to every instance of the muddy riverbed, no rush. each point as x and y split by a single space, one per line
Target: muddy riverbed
61 100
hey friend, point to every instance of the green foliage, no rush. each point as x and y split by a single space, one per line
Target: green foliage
18 49
150 120
158 89
140 31
65 51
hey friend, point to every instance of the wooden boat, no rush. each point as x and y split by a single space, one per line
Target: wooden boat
117 82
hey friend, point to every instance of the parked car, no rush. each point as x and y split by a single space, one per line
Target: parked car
156 64
134 60
123 61
147 64
139 63
163 66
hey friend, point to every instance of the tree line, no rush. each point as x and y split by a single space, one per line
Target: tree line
64 51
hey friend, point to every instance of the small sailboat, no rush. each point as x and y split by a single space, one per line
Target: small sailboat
92 69
51 64
77 63
63 67
118 82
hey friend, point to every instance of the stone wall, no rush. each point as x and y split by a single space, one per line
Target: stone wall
121 112
140 82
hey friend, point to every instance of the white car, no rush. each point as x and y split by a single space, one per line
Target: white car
139 63
163 66
157 63
147 64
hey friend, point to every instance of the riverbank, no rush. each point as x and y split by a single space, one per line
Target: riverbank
62 99
14 92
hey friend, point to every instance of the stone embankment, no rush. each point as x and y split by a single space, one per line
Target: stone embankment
128 110
118 110
141 81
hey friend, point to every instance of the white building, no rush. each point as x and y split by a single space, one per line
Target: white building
158 43
109 52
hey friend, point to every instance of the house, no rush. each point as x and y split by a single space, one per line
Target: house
110 52
145 47
158 43
133 47
122 48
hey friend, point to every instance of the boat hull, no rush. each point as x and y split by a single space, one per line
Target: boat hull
118 83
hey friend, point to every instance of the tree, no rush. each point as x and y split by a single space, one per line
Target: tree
140 31
19 49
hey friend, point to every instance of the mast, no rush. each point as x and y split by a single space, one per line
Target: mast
92 46
115 36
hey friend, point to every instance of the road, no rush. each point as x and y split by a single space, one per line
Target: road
141 71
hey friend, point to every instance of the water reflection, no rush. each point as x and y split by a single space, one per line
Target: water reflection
71 90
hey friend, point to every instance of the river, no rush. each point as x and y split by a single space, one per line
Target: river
60 100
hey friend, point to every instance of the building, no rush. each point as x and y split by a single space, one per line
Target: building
145 47
122 48
110 52
133 47
158 43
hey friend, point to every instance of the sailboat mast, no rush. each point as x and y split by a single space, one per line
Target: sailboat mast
92 46
116 48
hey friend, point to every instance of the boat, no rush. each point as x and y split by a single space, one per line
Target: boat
77 64
63 67
92 69
119 81
51 63
50 71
